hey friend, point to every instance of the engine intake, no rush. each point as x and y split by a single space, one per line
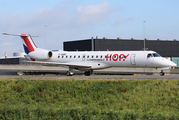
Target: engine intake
50 54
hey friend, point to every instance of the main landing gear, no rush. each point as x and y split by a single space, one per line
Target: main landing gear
70 72
88 73
162 73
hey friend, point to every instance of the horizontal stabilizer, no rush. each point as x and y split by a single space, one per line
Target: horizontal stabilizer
19 35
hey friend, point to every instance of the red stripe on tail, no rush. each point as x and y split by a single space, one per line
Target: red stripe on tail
32 59
27 42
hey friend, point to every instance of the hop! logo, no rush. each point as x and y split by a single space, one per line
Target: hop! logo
116 57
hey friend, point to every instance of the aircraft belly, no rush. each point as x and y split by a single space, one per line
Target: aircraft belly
98 65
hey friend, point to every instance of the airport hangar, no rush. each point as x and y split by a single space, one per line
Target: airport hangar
166 48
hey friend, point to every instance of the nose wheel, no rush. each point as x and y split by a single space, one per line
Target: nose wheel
162 73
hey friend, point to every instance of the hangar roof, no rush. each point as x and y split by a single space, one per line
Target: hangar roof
166 48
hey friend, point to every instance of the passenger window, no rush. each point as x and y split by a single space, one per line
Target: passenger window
92 56
105 56
96 56
101 56
84 56
58 56
70 56
79 56
66 56
88 56
74 56
62 56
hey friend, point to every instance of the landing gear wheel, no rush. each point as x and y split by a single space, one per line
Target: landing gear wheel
162 73
87 73
68 73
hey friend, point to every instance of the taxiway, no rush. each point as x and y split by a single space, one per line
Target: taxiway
96 77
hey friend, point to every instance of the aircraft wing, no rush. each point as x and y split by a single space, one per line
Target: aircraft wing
70 64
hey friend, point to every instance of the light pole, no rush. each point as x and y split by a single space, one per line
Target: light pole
45 36
144 33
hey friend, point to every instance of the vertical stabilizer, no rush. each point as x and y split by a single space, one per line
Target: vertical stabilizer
28 43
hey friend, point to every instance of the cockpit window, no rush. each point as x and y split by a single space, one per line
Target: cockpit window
156 55
153 55
149 55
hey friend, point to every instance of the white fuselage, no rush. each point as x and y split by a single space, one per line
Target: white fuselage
104 59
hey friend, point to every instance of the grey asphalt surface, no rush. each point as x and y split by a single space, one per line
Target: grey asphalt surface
97 77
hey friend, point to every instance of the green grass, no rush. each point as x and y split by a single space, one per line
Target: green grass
89 99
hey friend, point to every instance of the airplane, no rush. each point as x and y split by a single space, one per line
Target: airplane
88 61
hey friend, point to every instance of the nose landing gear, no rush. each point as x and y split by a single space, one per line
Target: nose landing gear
162 73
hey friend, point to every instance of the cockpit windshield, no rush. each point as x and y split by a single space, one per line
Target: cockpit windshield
156 55
153 55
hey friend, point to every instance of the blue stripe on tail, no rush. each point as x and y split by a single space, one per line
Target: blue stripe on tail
26 49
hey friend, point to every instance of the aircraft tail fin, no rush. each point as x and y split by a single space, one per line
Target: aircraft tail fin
28 43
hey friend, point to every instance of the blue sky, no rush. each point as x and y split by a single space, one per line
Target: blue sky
68 20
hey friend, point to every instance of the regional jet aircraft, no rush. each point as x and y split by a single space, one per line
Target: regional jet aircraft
88 61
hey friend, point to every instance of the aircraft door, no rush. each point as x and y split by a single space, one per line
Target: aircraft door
133 59
83 58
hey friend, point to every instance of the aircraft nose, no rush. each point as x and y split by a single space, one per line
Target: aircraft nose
168 63
172 64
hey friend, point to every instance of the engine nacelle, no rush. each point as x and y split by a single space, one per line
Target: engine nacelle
41 54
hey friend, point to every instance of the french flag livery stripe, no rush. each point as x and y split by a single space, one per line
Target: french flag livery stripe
26 49
28 44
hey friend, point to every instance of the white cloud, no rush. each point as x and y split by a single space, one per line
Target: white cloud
57 17
93 12
121 20
64 22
